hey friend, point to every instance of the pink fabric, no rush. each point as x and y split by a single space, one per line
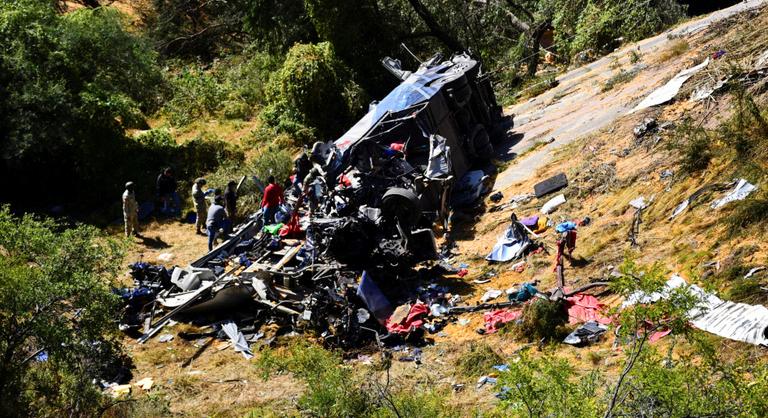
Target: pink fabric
495 318
462 272
656 336
397 146
412 320
583 308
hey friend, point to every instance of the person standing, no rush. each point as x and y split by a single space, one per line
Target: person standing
230 201
201 207
166 191
130 210
215 220
270 203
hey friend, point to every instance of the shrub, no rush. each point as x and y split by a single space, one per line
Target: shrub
313 90
478 360
55 288
541 319
70 85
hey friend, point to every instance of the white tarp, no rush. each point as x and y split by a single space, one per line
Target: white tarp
740 192
735 321
668 91
237 338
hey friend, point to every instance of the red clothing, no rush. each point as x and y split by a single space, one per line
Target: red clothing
273 196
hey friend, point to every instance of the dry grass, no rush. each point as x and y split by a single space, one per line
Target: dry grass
675 49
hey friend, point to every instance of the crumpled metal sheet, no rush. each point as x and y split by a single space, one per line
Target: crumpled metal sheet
732 320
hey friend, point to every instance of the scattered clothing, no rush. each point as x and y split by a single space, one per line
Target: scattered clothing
411 322
511 245
565 226
499 317
582 308
527 291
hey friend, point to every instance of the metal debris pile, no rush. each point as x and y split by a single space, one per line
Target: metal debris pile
356 256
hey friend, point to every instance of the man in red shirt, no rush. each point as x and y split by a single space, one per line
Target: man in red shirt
270 203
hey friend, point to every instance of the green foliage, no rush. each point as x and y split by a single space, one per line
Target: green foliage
70 85
602 23
478 360
541 320
689 388
334 389
55 288
694 145
548 386
619 78
312 91
670 312
234 87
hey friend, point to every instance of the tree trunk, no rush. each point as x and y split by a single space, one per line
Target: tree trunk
532 60
429 20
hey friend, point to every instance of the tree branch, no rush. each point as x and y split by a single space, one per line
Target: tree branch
429 20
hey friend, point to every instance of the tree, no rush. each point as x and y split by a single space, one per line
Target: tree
71 84
57 316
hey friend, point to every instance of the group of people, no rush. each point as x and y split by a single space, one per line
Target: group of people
215 219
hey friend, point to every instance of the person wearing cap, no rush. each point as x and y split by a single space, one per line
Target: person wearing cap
130 210
215 220
201 207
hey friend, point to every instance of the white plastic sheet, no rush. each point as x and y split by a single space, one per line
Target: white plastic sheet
740 192
668 91
238 339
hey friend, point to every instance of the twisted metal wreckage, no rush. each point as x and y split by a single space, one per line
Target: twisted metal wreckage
359 228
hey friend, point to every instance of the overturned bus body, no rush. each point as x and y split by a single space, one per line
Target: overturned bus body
355 233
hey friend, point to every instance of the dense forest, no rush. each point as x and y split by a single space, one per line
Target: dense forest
81 80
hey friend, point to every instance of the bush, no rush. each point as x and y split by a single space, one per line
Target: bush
71 84
55 288
333 389
313 90
601 23
694 145
479 360
541 319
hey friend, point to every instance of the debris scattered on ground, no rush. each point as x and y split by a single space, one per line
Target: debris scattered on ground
668 91
550 185
552 204
742 189
587 333
735 321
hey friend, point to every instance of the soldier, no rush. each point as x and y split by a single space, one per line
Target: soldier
201 208
130 211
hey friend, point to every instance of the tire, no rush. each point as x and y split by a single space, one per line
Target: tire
462 118
402 204
481 143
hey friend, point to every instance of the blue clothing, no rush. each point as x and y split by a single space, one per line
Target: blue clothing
565 226
212 231
269 214
216 215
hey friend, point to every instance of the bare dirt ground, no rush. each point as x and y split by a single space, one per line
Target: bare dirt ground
591 130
